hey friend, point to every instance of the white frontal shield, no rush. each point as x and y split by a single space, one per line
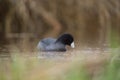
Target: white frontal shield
72 45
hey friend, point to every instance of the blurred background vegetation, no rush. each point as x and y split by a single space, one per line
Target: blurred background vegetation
91 22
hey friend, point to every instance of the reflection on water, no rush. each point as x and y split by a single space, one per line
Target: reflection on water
3 49
3 46
4 52
68 55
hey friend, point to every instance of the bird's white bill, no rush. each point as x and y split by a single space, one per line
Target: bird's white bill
72 45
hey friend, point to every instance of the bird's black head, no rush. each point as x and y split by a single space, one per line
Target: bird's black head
66 39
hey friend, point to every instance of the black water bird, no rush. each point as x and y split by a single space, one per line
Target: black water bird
59 45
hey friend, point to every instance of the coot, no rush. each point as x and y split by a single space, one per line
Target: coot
51 44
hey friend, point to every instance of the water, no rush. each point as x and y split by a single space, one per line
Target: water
8 52
3 46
